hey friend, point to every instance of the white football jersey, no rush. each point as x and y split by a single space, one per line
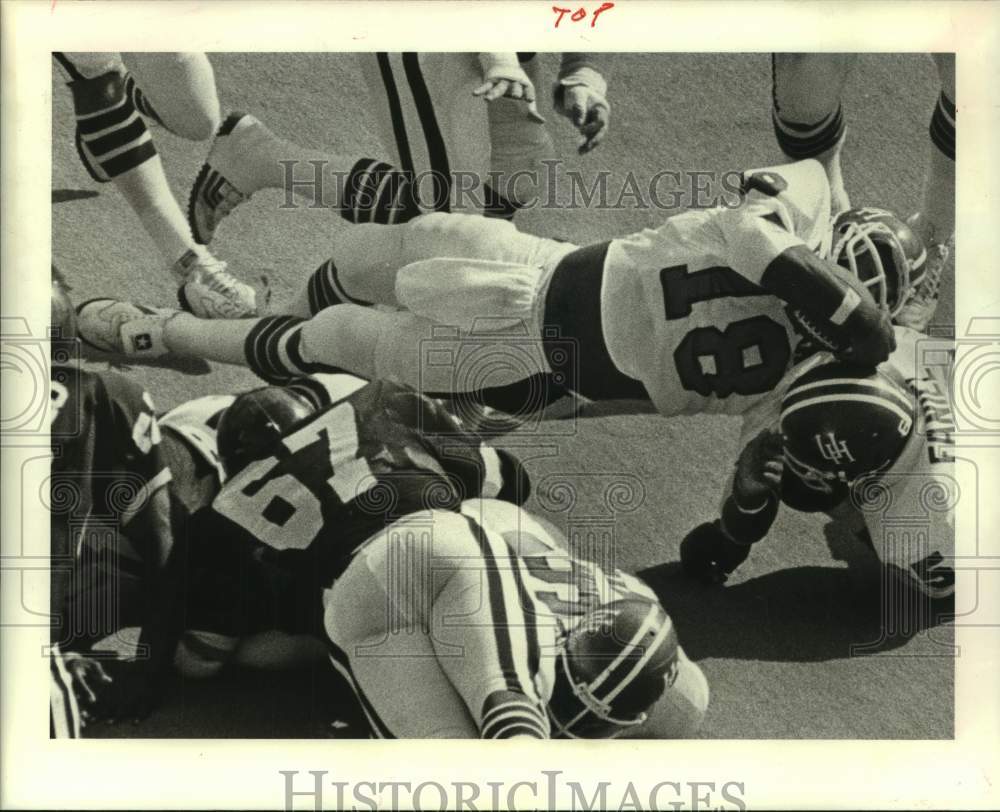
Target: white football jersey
682 307
908 510
910 514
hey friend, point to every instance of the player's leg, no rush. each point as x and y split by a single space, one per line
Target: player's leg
367 259
807 115
457 589
935 222
382 646
246 157
115 145
177 90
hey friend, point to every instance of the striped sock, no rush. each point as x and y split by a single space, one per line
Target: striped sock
377 193
942 127
800 141
324 289
272 350
507 714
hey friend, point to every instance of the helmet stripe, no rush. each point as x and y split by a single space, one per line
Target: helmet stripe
851 385
627 649
850 398
647 655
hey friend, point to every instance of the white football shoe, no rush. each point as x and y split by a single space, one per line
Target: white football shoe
122 327
209 291
919 308
225 179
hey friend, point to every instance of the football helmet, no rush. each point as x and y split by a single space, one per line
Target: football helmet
612 669
882 252
255 422
840 422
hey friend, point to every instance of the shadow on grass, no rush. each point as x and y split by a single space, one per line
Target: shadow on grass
69 195
800 614
126 363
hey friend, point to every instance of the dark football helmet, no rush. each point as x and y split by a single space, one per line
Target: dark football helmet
840 422
882 251
255 422
612 669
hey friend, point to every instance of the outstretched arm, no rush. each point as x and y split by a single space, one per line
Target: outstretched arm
714 549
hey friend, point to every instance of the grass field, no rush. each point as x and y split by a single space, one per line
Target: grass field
775 643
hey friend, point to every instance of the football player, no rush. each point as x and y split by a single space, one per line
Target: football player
430 110
704 314
478 623
112 103
109 500
809 123
871 447
313 469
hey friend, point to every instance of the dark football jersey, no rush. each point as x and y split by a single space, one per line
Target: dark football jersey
106 462
282 529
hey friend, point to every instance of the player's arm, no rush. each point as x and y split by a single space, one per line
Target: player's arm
503 76
479 469
713 550
761 247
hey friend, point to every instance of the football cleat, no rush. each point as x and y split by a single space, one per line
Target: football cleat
255 422
612 669
840 422
209 291
223 182
114 326
918 311
882 251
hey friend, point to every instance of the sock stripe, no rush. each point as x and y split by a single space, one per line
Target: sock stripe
324 289
799 140
942 126
131 134
116 116
125 161
262 347
375 192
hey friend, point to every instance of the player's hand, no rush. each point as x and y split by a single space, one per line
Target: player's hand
90 682
589 112
759 469
869 344
709 555
511 84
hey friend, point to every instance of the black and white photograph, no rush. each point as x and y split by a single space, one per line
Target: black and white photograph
438 394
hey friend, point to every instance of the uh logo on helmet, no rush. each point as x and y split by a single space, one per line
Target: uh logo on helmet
882 252
840 422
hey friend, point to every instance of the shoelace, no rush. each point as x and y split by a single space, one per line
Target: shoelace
218 279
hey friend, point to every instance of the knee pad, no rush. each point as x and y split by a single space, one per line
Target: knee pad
111 137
